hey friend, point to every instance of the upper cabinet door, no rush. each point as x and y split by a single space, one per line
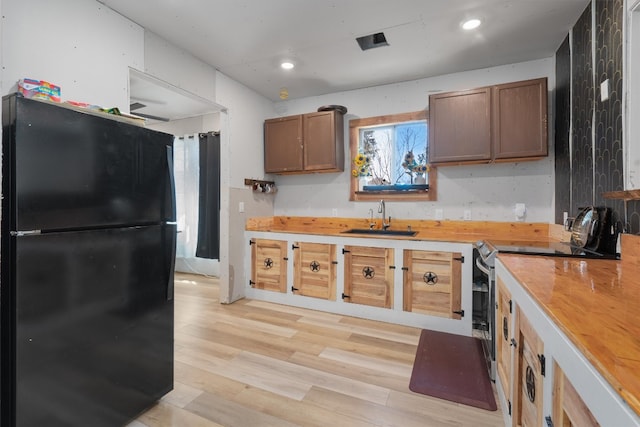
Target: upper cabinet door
506 122
306 143
520 119
460 126
283 144
323 142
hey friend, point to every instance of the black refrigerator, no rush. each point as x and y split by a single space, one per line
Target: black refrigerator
86 267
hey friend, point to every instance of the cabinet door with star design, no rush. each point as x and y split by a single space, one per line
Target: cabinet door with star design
269 265
529 372
368 276
314 270
432 283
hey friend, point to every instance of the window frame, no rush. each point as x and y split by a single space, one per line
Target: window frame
355 125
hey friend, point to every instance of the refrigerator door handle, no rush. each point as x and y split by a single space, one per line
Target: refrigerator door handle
172 265
172 184
25 233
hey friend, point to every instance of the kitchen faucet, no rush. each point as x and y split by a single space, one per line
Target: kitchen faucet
372 223
382 209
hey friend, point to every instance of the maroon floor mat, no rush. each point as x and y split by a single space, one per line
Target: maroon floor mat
452 367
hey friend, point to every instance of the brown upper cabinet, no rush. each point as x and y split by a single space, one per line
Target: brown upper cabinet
304 143
506 122
460 126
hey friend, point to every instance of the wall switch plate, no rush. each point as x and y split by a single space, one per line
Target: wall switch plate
334 212
241 207
467 215
439 214
604 90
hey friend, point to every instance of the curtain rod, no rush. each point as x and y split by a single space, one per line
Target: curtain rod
211 132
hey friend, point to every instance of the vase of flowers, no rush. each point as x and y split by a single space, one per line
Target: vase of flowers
420 179
360 171
416 169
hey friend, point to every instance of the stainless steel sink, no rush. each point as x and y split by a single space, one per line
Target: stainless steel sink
380 232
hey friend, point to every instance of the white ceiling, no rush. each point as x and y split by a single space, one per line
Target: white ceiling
247 39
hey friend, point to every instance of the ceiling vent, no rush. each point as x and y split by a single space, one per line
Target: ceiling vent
372 40
136 106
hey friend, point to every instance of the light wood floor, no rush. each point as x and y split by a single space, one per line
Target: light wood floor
253 363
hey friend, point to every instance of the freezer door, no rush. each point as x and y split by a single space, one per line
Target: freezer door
69 169
94 325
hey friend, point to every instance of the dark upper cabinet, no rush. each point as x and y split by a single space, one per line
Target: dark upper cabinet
304 143
520 119
460 126
506 122
283 144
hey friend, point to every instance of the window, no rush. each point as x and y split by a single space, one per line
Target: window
389 158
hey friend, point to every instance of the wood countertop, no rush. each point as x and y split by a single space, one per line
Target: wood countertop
596 303
503 233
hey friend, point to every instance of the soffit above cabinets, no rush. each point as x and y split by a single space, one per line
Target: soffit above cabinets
158 100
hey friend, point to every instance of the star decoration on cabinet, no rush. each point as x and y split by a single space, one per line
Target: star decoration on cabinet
268 263
531 384
430 278
314 266
368 272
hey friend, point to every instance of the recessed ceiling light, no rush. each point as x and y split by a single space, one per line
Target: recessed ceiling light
287 65
471 24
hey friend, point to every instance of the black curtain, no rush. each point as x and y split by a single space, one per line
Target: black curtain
209 199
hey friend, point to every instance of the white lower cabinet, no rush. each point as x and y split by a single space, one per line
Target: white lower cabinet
269 265
529 372
314 270
432 283
368 276
569 410
422 284
543 379
504 339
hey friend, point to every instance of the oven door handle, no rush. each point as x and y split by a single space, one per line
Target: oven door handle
483 267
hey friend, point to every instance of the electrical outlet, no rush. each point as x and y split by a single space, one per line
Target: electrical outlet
520 210
439 214
334 212
241 207
467 215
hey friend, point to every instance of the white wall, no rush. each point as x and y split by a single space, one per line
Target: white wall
632 95
79 45
172 64
489 191
242 157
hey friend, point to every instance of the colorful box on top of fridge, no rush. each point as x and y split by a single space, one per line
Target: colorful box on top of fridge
39 89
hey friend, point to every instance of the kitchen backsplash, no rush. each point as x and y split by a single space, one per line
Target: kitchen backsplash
595 165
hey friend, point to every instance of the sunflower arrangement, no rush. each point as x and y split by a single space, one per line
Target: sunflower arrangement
361 165
415 167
